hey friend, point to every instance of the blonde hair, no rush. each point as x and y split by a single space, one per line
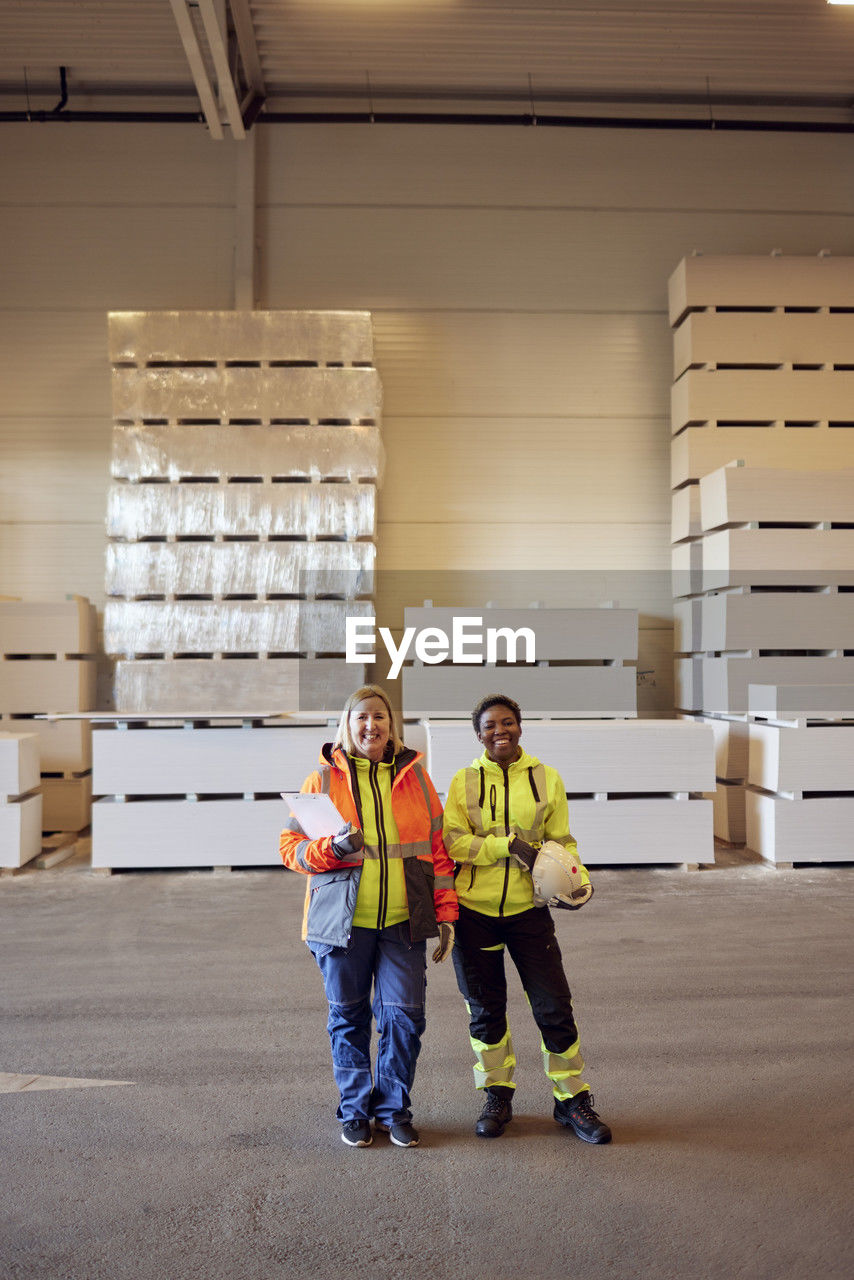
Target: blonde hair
343 736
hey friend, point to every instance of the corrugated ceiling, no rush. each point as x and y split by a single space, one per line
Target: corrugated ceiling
780 54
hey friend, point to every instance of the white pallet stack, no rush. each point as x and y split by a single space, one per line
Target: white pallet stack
242 514
586 664
184 792
634 786
20 799
763 378
800 795
49 656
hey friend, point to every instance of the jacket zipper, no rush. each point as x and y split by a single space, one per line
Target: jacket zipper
506 832
382 843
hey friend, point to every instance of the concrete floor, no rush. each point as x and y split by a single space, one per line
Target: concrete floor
715 1011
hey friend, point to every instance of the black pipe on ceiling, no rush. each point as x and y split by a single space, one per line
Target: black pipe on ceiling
505 120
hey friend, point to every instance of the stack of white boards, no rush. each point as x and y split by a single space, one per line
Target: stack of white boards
20 799
763 478
800 794
554 662
632 785
242 514
49 665
179 792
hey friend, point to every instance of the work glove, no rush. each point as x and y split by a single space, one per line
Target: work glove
575 901
446 942
348 844
524 853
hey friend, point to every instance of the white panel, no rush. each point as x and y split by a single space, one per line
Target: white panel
65 746
817 758
559 633
594 756
793 701
173 452
814 830
20 831
699 450
211 687
578 692
748 395
774 620
265 393
610 470
750 281
155 761
714 337
34 685
285 510
633 832
736 495
184 833
318 336
66 803
61 626
756 557
720 685
19 763
245 568
229 626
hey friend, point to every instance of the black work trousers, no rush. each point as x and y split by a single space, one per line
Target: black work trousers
479 964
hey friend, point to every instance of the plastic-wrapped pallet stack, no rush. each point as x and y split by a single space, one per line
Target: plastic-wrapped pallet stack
241 518
800 796
49 665
20 799
762 507
242 515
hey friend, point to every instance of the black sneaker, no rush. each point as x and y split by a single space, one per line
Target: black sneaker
577 1114
402 1132
357 1133
497 1112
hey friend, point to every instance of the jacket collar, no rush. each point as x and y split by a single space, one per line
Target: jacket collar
524 762
338 759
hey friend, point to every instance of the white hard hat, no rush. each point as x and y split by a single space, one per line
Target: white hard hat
559 878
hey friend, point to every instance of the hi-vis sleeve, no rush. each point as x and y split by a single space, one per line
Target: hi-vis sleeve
466 837
301 854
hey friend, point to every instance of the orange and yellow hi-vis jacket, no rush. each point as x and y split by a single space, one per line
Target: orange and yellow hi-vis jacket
411 833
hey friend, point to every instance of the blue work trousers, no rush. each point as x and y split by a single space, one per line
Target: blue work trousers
387 961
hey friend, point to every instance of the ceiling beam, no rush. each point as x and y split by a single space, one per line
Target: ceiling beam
247 44
216 43
193 53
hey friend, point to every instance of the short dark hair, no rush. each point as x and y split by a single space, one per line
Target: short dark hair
494 700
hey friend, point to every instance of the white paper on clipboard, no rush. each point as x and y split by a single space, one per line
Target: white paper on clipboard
315 813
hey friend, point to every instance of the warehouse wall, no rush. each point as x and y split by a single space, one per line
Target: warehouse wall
518 284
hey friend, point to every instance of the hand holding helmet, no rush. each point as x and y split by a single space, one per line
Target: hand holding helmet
560 879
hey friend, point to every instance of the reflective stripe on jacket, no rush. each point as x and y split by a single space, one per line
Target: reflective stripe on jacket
334 883
487 805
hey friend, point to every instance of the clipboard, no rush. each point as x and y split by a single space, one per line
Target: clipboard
315 813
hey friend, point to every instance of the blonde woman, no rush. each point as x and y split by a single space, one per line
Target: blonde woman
376 891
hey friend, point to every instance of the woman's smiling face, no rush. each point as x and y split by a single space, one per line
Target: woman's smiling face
370 728
499 733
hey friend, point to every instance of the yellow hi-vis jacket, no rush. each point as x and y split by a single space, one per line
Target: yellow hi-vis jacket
487 805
